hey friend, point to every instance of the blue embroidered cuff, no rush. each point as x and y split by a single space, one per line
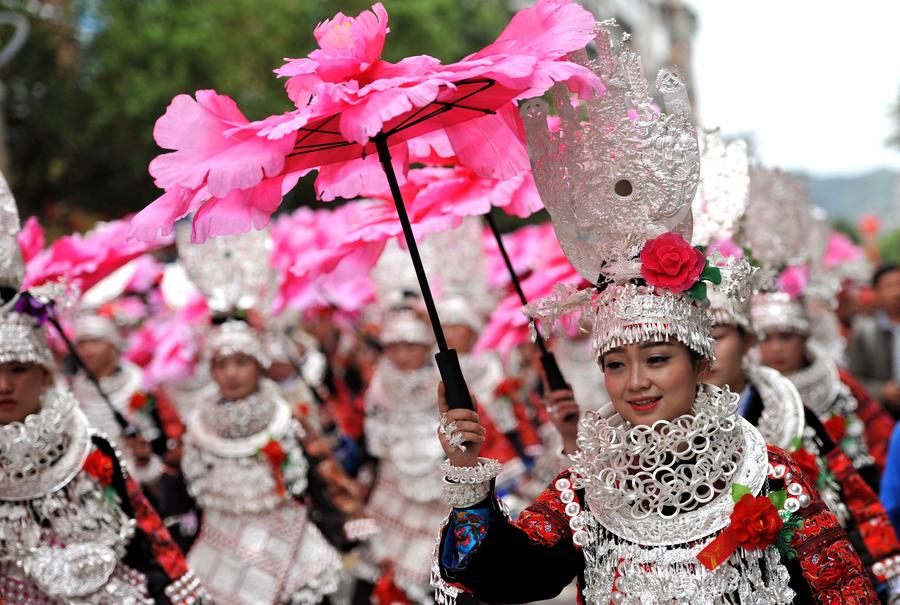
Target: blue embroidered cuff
466 530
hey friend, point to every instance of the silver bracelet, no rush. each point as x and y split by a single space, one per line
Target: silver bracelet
464 495
485 470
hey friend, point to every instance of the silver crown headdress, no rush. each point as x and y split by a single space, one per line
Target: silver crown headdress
234 274
721 201
783 231
776 222
405 326
617 173
21 338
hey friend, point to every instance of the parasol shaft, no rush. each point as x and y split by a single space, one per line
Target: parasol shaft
457 392
127 429
555 378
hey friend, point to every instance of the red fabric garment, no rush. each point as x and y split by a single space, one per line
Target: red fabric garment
348 410
172 424
830 565
386 591
866 508
165 551
545 520
495 445
879 423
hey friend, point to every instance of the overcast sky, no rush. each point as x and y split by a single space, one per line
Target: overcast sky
815 81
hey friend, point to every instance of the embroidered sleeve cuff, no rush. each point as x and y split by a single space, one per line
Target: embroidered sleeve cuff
465 533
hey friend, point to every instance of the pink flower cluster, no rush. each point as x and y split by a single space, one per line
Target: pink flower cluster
232 173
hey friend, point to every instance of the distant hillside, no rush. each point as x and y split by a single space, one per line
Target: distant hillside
849 197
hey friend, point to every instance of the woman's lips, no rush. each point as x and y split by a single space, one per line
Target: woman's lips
644 404
7 403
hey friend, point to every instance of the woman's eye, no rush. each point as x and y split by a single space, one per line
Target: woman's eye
657 359
614 365
19 369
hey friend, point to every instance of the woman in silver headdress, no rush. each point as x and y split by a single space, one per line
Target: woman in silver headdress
405 500
670 498
244 467
74 526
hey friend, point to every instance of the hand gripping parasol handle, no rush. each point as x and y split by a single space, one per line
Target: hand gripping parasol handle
555 379
457 392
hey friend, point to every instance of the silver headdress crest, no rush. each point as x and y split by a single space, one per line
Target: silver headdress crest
724 187
777 228
21 338
234 274
617 173
776 222
720 203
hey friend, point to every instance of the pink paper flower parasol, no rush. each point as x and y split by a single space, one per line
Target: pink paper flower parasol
84 260
354 107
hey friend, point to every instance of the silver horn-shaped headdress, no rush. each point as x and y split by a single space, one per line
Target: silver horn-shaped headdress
234 274
617 173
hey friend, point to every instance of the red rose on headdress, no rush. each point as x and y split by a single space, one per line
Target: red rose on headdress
670 262
99 466
836 426
755 522
808 464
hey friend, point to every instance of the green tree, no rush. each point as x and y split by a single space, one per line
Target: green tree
93 78
889 246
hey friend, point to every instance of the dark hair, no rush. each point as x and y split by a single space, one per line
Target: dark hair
882 271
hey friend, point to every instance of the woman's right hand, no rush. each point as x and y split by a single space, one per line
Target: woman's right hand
467 424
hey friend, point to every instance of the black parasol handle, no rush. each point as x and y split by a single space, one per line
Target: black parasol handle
457 392
555 378
128 430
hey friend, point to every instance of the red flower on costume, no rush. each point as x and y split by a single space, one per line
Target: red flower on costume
274 453
808 464
99 466
836 427
670 262
138 401
755 522
754 525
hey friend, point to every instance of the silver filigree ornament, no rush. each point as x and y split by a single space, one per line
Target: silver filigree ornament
618 171
232 271
729 303
668 483
222 461
657 496
777 219
724 189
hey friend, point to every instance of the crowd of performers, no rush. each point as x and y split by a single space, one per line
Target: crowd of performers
258 418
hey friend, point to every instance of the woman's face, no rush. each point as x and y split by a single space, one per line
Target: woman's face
237 375
99 355
783 351
21 387
651 381
731 344
407 355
